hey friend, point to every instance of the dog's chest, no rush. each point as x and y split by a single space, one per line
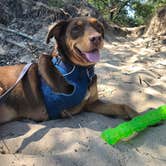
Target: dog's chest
79 77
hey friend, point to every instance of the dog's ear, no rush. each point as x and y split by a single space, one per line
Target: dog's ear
55 30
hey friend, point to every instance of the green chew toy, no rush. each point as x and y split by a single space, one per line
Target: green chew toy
127 130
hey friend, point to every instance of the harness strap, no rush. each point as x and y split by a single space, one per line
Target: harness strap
22 74
89 70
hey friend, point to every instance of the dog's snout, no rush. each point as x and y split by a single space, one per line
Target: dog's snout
95 39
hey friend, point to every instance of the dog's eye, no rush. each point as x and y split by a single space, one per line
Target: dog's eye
77 31
98 26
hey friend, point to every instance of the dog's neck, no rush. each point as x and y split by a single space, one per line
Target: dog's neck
67 66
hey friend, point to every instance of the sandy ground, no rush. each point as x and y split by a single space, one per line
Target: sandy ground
129 72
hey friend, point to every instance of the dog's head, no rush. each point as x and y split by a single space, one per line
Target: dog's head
78 39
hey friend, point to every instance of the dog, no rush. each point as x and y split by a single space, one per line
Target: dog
61 84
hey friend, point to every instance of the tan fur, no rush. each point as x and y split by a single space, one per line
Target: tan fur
83 44
7 114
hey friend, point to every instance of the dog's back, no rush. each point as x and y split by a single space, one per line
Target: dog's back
25 100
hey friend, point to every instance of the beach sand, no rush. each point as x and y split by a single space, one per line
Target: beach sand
130 72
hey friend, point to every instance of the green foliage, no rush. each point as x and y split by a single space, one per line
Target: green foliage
56 3
157 3
143 12
127 12
121 12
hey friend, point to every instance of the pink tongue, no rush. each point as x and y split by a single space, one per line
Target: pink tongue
92 56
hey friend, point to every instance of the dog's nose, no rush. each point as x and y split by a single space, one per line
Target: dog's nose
95 39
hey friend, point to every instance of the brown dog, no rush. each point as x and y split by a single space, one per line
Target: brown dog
78 44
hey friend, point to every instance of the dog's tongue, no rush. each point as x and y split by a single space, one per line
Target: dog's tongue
92 56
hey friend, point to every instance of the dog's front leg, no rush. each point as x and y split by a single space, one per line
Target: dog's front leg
52 76
110 109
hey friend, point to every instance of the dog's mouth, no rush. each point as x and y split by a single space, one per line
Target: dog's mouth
92 56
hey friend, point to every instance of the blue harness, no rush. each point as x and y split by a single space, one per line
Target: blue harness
79 77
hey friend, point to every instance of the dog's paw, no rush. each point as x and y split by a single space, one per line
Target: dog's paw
129 112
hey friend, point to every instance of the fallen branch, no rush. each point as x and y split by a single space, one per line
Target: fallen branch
26 46
147 83
13 43
16 32
140 80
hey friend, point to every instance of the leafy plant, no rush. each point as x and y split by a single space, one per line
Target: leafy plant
56 3
127 12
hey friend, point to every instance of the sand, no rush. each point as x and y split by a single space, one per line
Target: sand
131 72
